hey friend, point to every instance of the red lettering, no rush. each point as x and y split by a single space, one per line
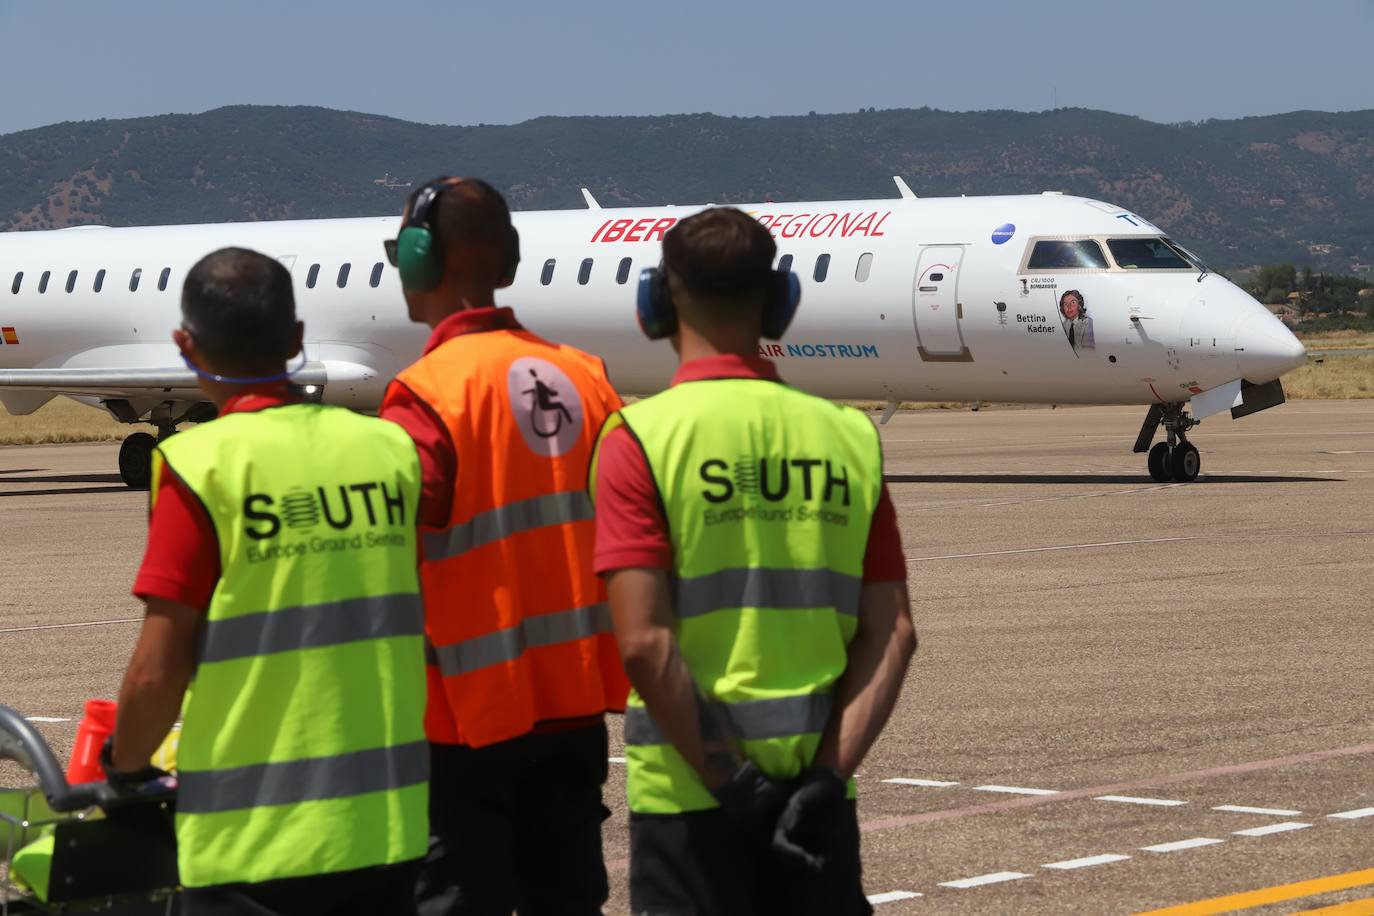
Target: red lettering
865 224
880 222
777 349
763 350
636 233
846 223
659 228
778 222
601 230
617 230
799 220
765 220
816 225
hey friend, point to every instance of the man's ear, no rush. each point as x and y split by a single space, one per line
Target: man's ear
186 344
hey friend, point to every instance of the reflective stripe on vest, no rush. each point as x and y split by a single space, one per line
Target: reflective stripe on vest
303 728
769 495
515 616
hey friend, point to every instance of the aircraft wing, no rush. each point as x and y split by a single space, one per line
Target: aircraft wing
125 381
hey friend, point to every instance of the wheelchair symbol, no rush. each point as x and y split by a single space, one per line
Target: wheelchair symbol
543 403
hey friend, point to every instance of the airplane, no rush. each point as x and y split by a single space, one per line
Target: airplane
1045 298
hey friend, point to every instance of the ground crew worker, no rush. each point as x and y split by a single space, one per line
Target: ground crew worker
758 591
523 662
281 589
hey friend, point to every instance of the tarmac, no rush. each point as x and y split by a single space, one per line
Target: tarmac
1128 696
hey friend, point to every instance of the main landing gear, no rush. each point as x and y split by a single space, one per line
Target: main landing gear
1175 459
136 457
136 454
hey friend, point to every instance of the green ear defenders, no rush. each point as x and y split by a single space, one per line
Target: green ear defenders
419 258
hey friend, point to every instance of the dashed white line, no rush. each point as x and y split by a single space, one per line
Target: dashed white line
1135 800
1002 553
46 719
928 783
1272 828
1245 809
996 877
1016 790
1177 845
1352 815
892 897
1087 861
71 626
616 759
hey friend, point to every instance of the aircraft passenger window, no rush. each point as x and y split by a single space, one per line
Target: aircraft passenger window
99 283
18 280
822 268
343 274
865 265
546 277
43 281
622 273
134 278
71 281
785 262
311 276
1147 254
376 279
584 273
162 279
1077 254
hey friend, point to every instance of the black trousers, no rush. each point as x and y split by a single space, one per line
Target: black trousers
516 826
365 892
701 864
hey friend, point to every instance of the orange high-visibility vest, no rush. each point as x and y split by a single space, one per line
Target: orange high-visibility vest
518 625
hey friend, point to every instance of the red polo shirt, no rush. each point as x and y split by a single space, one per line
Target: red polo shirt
631 530
181 562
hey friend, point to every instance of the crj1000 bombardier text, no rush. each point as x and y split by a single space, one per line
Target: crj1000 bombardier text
1034 299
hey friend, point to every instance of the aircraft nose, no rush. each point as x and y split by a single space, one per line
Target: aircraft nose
1266 349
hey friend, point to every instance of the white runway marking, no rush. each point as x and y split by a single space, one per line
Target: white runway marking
616 759
1133 800
1245 809
1177 845
1016 790
928 783
66 626
1002 553
46 719
1087 861
1271 828
1352 815
892 896
996 877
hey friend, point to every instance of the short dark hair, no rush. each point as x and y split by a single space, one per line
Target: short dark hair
721 255
240 308
472 216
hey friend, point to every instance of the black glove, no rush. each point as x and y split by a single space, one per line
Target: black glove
122 782
808 827
752 800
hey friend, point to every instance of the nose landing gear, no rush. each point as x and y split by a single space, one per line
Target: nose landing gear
1175 459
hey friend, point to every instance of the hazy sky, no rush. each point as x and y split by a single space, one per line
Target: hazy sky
460 63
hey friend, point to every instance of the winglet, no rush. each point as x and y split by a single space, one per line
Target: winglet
901 188
591 201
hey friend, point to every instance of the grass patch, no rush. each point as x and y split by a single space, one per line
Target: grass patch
1350 339
60 420
1332 377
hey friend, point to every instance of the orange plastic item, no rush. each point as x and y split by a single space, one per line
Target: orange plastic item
97 725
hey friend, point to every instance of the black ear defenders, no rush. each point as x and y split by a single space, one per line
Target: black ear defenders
658 315
418 257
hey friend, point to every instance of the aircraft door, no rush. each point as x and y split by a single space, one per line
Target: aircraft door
935 303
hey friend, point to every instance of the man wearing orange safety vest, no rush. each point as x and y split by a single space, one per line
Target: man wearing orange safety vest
522 663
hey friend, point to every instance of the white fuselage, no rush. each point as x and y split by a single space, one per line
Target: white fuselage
923 299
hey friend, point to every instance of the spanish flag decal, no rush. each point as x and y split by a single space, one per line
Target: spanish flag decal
10 336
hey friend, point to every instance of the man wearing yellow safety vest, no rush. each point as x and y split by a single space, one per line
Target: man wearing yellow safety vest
759 597
283 606
522 662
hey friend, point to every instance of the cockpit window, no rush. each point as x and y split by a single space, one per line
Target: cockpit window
1071 254
1148 254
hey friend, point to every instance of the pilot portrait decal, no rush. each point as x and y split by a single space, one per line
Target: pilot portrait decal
1078 326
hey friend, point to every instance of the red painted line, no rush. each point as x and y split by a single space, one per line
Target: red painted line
1010 804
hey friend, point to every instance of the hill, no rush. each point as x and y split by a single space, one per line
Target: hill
1296 187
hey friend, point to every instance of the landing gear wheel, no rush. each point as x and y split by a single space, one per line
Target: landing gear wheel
1185 462
1161 469
136 461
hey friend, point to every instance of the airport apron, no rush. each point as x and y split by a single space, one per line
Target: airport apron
769 494
302 750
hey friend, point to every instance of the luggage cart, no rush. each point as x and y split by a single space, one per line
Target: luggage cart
110 852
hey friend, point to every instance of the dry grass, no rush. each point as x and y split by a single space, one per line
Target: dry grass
1338 340
1332 377
60 420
